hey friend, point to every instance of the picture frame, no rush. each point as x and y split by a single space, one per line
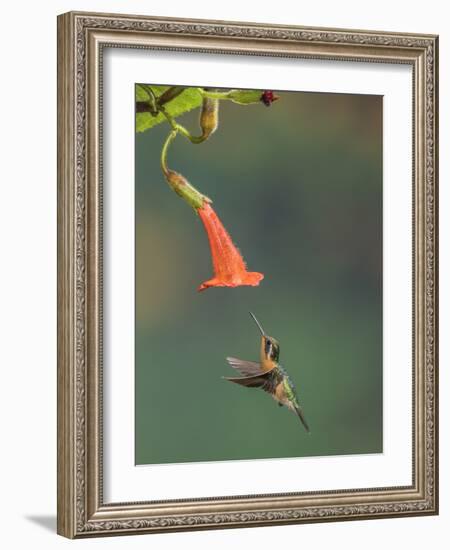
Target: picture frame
82 40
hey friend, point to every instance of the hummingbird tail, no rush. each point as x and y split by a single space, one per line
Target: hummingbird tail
300 414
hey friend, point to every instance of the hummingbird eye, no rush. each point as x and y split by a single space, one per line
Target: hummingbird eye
268 345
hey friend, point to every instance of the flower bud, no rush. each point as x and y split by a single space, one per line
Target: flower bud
209 117
268 97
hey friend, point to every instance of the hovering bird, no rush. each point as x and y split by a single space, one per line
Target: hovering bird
268 375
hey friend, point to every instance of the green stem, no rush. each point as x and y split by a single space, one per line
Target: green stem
178 182
214 95
178 127
152 99
189 136
164 150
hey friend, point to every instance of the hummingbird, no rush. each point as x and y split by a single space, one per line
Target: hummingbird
268 374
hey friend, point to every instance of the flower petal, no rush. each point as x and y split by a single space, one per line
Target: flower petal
229 266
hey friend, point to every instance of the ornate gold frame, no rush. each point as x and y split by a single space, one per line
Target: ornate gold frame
81 37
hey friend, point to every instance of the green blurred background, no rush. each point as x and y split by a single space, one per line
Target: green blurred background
299 187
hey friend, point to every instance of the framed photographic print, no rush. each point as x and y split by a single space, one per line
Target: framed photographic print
247 274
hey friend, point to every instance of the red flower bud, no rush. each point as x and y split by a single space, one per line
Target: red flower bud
268 97
229 266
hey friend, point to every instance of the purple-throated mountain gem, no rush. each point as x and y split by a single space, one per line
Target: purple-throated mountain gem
268 375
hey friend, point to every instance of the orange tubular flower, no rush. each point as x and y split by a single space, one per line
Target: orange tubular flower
229 266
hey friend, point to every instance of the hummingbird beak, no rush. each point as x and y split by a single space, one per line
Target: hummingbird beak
257 322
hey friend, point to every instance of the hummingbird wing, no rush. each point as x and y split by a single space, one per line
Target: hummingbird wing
246 368
265 381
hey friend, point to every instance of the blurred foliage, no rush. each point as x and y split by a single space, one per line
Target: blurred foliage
299 187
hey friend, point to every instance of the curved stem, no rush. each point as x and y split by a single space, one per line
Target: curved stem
151 97
189 136
182 129
164 150
178 182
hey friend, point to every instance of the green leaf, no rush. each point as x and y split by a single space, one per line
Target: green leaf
189 99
